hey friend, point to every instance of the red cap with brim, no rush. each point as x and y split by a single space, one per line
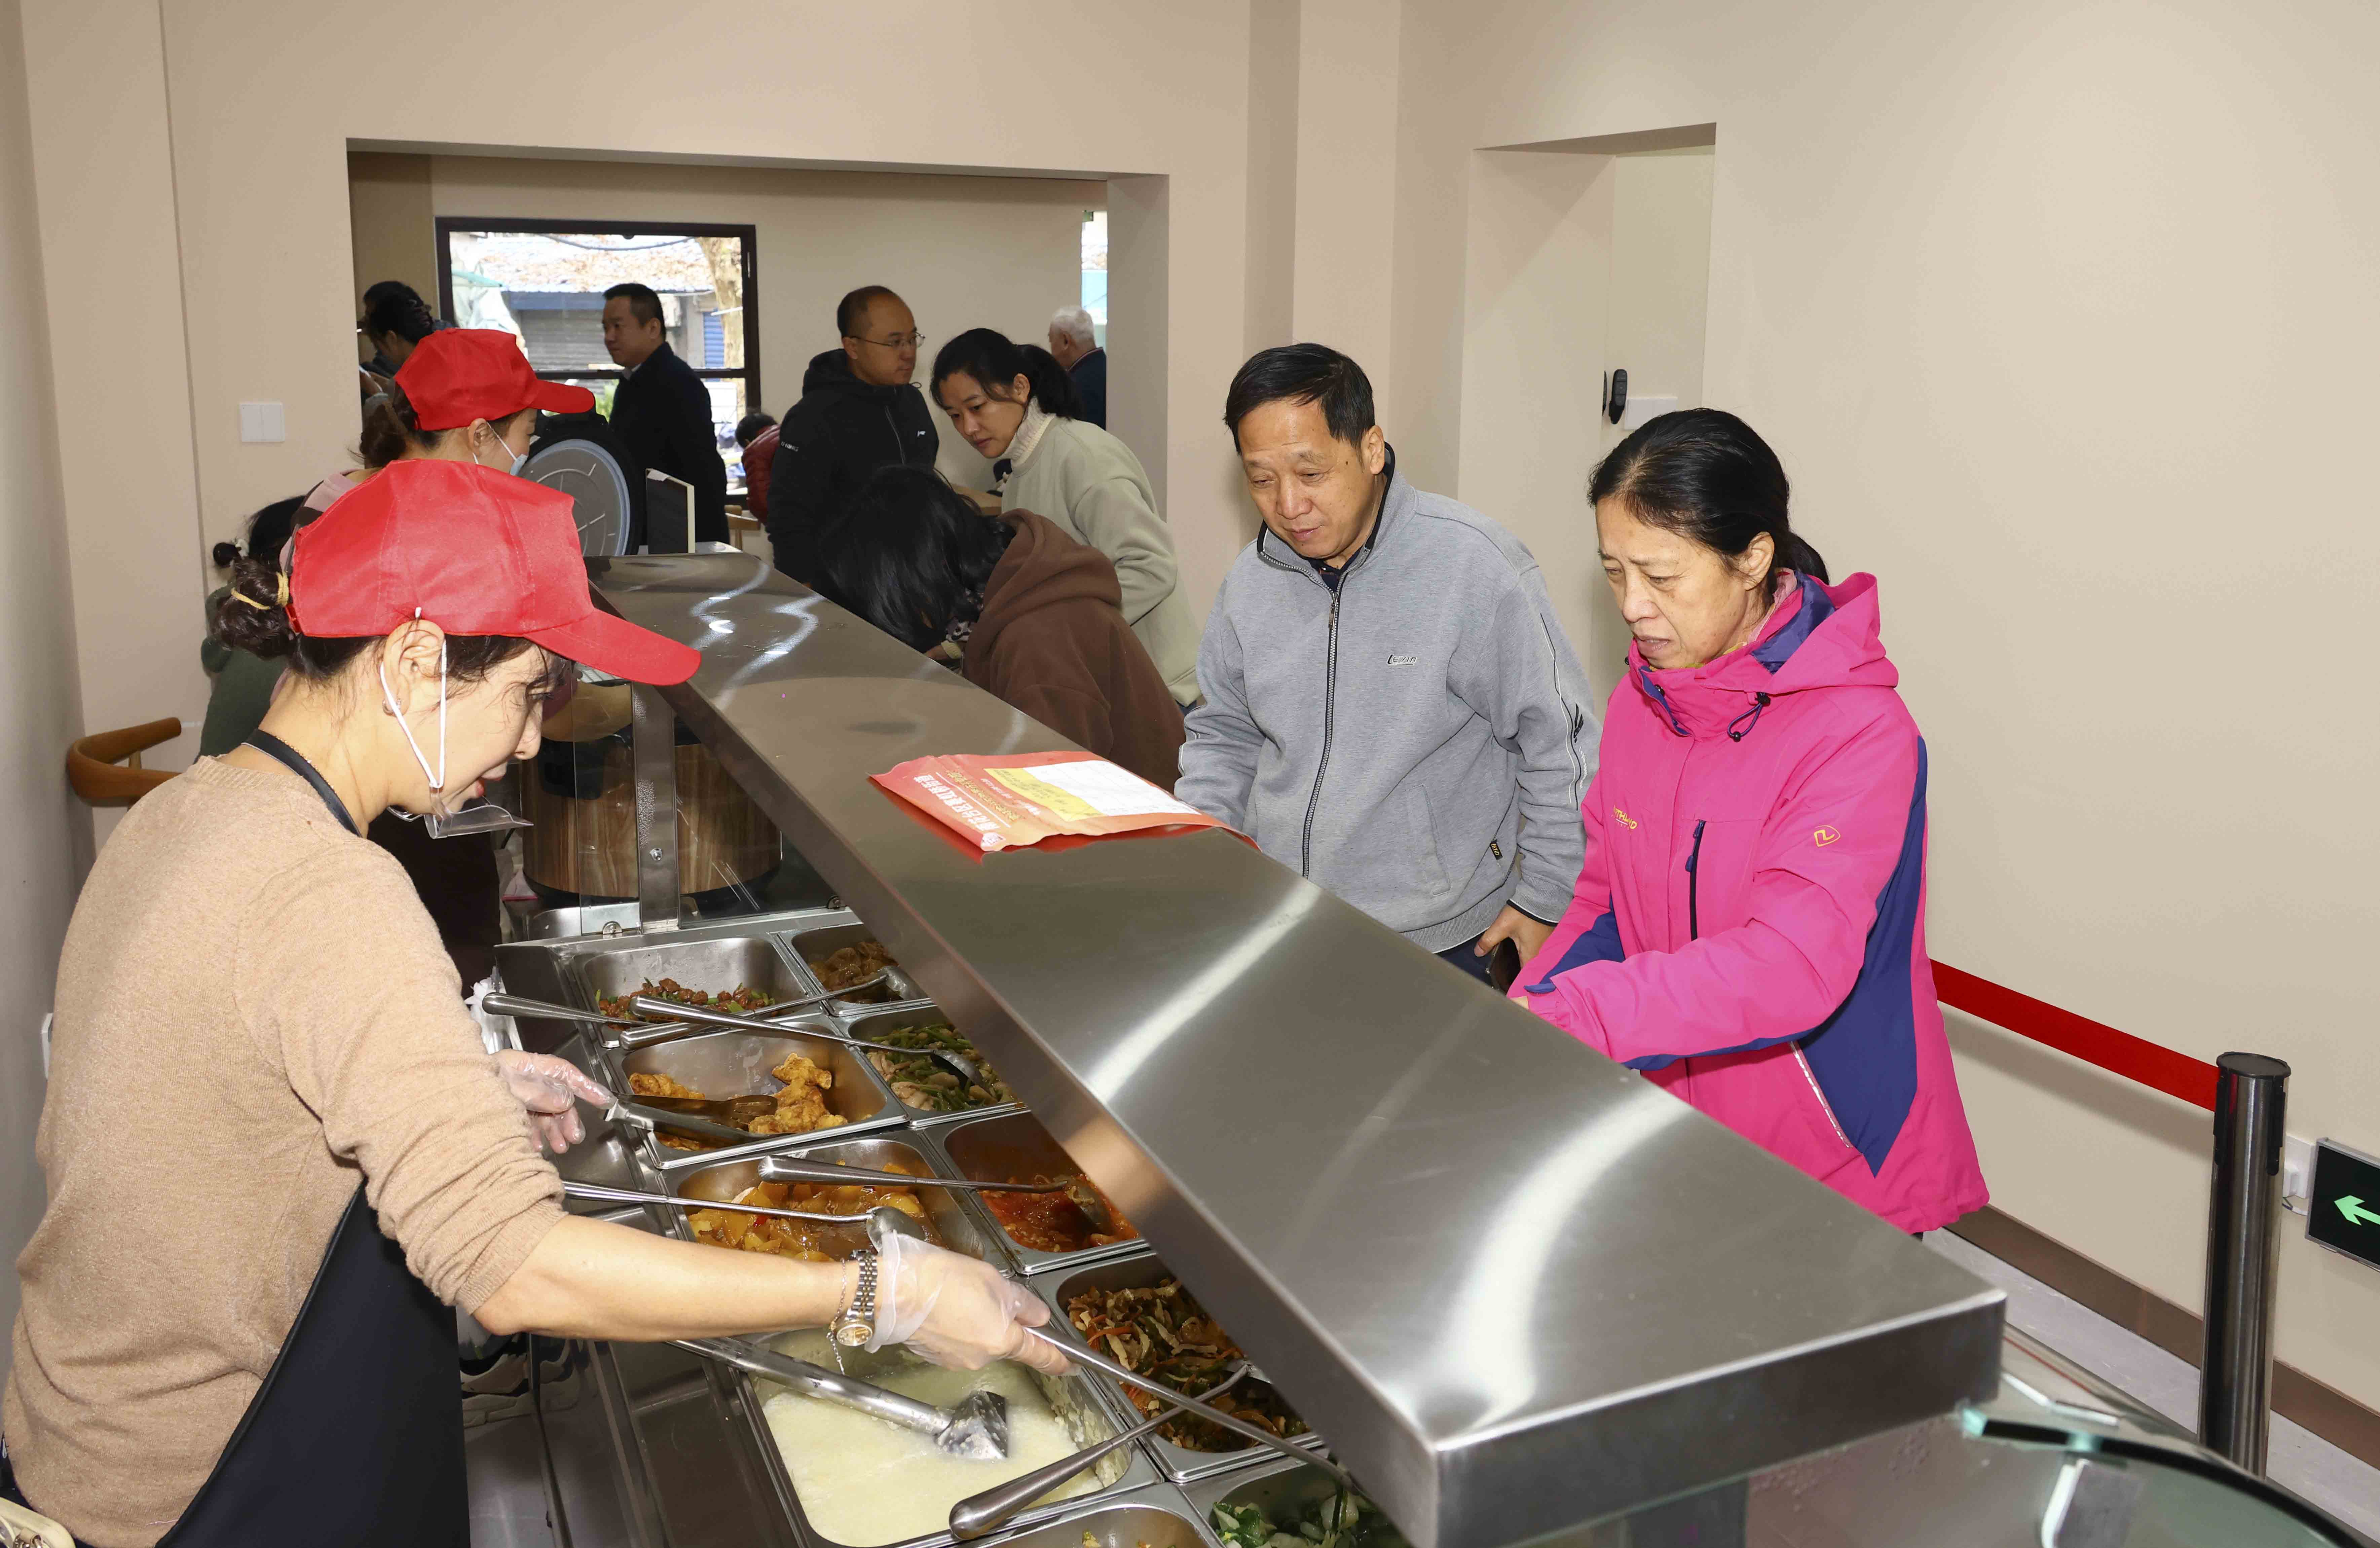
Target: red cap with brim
475 552
460 375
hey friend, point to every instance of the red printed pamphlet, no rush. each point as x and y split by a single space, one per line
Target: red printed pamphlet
1023 797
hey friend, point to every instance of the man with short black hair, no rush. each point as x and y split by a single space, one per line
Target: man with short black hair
859 412
1391 705
1076 348
660 411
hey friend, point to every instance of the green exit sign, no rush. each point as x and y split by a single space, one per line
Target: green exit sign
2343 1210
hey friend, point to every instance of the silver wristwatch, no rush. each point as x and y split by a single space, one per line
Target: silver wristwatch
856 1325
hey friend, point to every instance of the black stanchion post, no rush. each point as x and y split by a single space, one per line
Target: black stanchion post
2235 1372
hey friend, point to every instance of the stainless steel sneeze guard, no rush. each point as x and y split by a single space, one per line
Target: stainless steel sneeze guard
1516 1285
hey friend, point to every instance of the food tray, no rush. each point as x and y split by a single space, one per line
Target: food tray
872 1022
1140 1270
1003 1144
711 964
725 1063
818 942
1279 1484
1129 1477
722 1179
1160 1515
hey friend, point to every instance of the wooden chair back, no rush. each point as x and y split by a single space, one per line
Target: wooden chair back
104 767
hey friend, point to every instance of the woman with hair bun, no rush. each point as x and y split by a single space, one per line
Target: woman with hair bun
235 1324
1749 929
1017 407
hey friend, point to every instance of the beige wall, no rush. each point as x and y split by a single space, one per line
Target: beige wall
996 252
49 837
2059 317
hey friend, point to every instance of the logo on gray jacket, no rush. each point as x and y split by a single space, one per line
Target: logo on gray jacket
1404 661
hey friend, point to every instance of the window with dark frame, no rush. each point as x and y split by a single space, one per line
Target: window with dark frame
543 281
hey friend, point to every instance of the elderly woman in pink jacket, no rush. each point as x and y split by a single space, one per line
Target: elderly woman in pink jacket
1749 930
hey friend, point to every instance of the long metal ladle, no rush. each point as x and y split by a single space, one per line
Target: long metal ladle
968 1074
979 1515
976 1428
643 1029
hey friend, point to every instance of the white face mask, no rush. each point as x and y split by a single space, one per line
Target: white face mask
514 467
487 817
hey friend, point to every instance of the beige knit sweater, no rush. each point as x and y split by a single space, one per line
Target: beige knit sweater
253 1012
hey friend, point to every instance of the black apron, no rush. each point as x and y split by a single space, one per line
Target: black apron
356 1437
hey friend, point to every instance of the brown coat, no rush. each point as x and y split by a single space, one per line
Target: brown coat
1052 641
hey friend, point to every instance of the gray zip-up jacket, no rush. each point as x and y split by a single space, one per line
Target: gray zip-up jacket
1417 742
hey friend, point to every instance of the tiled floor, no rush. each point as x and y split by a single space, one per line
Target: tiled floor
2301 1461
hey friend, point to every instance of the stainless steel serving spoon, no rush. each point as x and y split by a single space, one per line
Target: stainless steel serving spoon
780 1168
882 1221
645 1031
977 1429
979 1515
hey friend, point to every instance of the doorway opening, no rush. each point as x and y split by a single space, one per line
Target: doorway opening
1585 258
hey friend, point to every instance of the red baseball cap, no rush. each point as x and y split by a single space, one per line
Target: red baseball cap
460 375
473 551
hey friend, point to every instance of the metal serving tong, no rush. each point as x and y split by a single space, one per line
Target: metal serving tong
1083 1355
977 1429
880 1222
644 1030
968 1074
979 1515
788 1169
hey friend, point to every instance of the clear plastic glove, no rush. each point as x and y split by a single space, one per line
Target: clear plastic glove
957 1312
550 1089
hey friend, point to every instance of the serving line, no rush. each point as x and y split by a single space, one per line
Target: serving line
1500 1248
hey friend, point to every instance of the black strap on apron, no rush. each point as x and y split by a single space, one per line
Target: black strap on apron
294 762
355 1438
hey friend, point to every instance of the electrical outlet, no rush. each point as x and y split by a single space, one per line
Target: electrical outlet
47 1017
2297 1172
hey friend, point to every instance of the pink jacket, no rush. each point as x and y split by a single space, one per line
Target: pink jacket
1750 927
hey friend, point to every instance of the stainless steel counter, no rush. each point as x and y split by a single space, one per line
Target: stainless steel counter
1518 1287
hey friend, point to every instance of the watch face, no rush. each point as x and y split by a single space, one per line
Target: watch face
852 1335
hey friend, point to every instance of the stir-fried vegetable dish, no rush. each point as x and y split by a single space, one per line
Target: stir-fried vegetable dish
1345 1519
1163 1333
927 1086
810 1240
1052 1222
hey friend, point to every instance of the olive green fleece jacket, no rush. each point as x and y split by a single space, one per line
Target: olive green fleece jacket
1088 483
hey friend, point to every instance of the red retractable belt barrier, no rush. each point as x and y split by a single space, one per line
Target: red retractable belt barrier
2093 1042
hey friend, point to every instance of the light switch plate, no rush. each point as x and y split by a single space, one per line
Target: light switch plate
2297 1172
262 424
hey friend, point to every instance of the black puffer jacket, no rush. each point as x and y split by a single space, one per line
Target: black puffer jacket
831 442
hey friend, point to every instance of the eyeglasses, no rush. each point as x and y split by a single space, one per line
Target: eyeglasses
912 340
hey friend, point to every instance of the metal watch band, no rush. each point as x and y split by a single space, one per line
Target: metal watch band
857 1325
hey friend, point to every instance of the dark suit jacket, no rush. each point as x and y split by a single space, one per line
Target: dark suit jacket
663 416
1090 374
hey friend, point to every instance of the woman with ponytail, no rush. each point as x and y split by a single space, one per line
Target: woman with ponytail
1749 929
1017 407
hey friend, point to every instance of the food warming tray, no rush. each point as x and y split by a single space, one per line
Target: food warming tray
1006 1144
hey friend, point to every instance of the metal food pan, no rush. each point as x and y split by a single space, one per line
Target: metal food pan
712 965
872 1024
1281 1488
1012 1146
819 941
727 1064
1141 1271
1160 1515
723 1178
1125 1475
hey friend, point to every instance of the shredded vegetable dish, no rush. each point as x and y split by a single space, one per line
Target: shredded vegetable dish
1053 1223
1161 1332
927 1086
808 1240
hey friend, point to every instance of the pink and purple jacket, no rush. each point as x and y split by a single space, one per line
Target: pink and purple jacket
1749 930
